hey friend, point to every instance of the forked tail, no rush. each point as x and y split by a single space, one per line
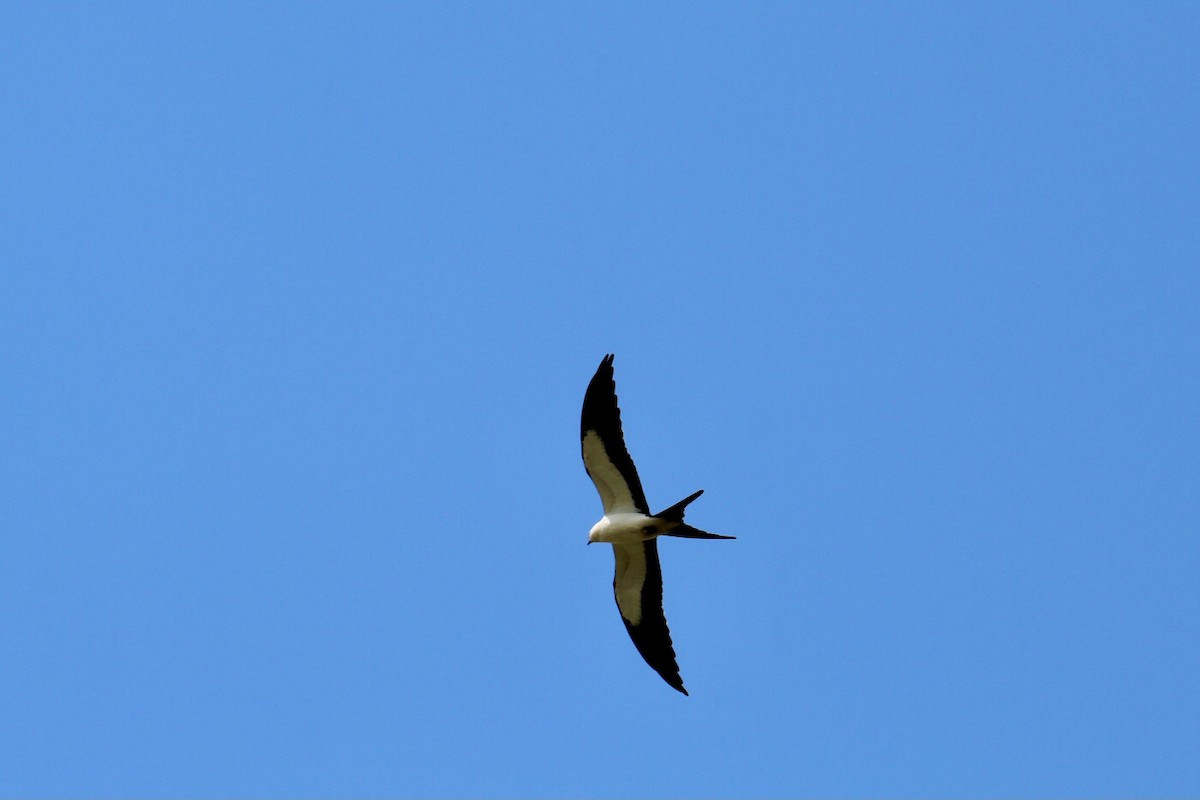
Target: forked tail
681 529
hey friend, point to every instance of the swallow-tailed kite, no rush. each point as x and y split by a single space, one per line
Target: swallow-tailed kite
628 525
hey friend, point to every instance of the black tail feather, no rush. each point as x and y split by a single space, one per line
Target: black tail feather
688 532
675 512
682 530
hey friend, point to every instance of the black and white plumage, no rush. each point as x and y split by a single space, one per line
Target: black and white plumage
628 525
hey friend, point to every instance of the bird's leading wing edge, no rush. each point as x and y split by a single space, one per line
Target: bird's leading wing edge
603 443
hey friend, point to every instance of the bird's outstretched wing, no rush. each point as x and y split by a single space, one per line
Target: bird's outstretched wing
637 586
604 454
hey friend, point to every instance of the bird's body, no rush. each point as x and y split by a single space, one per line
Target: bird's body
623 527
629 526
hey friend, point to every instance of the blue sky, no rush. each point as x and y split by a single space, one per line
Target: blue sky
299 302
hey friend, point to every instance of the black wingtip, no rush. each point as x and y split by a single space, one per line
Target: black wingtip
668 672
674 681
605 369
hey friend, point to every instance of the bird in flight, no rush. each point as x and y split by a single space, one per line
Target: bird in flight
628 525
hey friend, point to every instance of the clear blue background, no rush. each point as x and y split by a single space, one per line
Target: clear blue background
299 302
